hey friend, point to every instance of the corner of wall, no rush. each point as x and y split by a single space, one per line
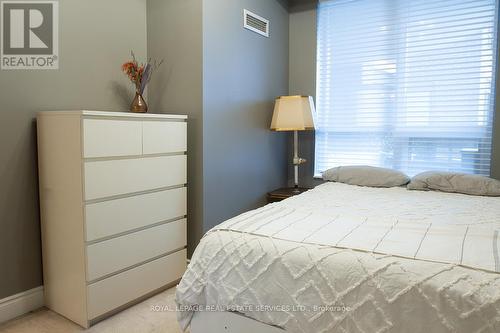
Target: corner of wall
174 32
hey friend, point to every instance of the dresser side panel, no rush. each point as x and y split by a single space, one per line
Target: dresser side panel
61 202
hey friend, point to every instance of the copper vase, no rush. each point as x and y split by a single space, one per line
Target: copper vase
139 104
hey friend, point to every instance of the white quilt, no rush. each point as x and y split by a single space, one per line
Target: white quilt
341 258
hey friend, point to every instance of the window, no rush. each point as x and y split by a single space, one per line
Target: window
406 84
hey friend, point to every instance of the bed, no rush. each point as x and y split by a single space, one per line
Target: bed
344 258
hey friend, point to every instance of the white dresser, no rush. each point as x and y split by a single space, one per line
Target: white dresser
113 208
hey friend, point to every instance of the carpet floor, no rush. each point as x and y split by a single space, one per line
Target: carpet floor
153 315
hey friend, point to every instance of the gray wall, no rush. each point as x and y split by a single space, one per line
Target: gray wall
302 73
303 81
91 52
175 35
94 41
225 78
243 73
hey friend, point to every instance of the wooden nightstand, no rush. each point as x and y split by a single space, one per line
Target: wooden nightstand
283 193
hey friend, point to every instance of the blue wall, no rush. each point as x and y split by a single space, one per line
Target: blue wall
243 73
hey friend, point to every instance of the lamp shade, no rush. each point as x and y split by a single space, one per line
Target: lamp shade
293 113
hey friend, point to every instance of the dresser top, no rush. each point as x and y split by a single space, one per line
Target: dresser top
112 114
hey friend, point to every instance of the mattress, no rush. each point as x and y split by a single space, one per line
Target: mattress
343 258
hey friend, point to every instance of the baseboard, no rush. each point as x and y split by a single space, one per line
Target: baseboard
22 303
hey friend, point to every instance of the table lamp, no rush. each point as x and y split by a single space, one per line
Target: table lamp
294 113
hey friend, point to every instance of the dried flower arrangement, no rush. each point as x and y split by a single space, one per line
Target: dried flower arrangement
140 76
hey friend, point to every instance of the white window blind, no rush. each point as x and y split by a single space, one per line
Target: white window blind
406 84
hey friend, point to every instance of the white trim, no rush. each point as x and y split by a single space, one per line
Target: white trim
22 303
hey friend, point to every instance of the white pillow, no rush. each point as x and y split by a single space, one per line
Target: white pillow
455 183
366 176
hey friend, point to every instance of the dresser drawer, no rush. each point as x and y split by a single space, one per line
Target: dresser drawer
109 178
112 217
119 253
110 293
164 137
104 138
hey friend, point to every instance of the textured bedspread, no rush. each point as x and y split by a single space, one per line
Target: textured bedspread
339 259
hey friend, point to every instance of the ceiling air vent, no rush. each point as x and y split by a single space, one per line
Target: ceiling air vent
255 23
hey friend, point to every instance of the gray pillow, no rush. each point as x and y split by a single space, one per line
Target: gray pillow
455 183
366 176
